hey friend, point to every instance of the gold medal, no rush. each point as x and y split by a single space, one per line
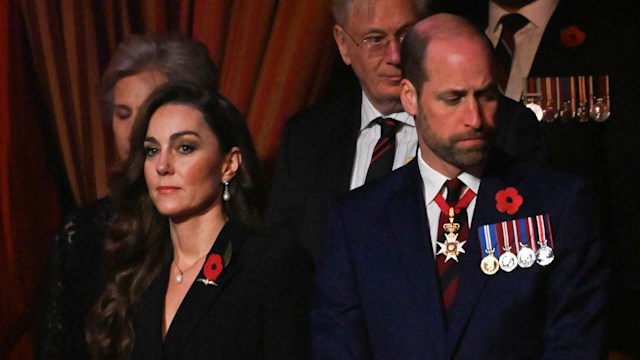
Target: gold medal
489 264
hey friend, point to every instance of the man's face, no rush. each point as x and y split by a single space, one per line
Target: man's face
455 109
379 75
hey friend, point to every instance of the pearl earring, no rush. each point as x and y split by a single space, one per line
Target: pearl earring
226 195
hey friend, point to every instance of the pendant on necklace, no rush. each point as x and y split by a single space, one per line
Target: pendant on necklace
179 278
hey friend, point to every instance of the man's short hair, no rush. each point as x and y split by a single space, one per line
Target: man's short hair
341 9
413 51
412 55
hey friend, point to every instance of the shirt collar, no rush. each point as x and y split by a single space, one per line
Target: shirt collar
537 12
434 181
370 113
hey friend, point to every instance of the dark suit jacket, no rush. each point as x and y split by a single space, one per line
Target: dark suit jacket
258 310
316 157
377 287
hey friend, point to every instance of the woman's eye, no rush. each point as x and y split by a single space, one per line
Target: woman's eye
150 151
186 149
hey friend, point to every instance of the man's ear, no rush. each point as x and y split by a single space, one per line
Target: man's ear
231 164
409 97
341 40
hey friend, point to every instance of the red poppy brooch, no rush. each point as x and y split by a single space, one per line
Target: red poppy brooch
214 265
572 36
508 200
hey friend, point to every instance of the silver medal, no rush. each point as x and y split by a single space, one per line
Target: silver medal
544 255
526 257
508 261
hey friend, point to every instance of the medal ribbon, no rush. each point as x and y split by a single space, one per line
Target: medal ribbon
541 230
515 235
558 93
582 89
549 231
591 94
506 244
604 90
488 239
532 234
464 201
522 226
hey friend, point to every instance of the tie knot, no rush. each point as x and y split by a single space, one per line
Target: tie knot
454 186
513 22
388 126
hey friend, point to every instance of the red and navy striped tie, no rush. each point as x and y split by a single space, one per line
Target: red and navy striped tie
384 152
506 47
448 271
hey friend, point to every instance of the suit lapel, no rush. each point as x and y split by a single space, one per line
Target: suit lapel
201 297
415 253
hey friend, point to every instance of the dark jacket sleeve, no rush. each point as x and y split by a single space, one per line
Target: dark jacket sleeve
73 282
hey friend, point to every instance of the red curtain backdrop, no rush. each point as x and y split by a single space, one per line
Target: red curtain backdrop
274 57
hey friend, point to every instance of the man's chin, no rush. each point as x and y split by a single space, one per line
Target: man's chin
471 157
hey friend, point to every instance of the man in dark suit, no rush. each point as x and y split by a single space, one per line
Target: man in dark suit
607 43
390 287
326 150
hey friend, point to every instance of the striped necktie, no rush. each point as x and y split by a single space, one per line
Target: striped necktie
449 268
506 47
385 149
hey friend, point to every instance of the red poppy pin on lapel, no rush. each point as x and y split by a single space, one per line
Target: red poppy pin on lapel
214 265
508 200
572 36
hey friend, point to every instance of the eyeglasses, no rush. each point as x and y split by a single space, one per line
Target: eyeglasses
376 45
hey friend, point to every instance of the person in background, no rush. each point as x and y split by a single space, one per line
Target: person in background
465 252
331 148
190 275
75 277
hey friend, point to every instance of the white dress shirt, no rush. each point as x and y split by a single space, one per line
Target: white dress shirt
406 141
434 184
526 40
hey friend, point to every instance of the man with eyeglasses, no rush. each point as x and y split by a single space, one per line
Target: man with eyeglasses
327 150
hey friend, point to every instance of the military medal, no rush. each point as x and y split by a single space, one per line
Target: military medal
582 113
451 247
508 261
549 112
600 110
489 264
526 256
567 89
544 254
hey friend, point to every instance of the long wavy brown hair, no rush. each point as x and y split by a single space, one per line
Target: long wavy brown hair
139 236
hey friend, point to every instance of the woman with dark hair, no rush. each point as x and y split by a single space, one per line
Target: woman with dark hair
189 273
75 277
